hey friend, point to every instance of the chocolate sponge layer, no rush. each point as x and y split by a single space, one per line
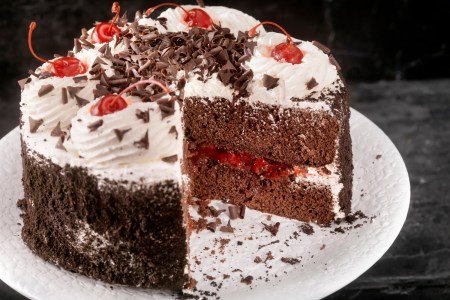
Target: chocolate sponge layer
119 235
290 136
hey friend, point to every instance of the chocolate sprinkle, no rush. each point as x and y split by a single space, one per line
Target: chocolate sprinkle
64 97
312 83
324 49
290 260
273 229
142 143
234 212
173 130
57 130
334 62
170 159
94 126
35 124
270 82
121 133
45 89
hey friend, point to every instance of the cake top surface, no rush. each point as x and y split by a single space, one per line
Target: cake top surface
220 62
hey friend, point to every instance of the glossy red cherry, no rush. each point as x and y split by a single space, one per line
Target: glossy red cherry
113 103
105 32
62 67
194 17
284 52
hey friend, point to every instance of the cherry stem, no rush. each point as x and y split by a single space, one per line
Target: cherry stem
115 9
252 31
30 35
148 81
151 10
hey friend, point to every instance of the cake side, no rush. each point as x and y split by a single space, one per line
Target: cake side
131 236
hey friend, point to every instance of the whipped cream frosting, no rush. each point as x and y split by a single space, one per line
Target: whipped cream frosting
102 152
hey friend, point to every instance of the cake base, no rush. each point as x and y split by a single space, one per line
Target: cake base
131 236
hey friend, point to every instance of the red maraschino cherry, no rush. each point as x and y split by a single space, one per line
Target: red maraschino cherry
284 52
62 67
193 17
112 103
105 32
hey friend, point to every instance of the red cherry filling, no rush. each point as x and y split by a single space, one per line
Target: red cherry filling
113 103
105 32
258 165
194 17
284 52
66 66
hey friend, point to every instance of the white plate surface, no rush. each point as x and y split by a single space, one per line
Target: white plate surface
329 260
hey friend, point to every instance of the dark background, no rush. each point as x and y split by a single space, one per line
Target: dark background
395 57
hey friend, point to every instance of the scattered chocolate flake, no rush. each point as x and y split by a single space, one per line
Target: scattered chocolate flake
170 159
60 144
322 247
227 228
79 79
73 90
214 211
142 143
334 62
121 133
236 270
57 130
35 124
312 83
226 276
339 229
307 229
192 284
181 83
211 226
271 243
81 101
64 98
325 171
234 211
378 156
76 45
273 228
242 212
22 82
45 89
173 130
200 3
94 126
247 280
269 256
290 260
324 49
167 108
270 82
163 22
143 115
257 260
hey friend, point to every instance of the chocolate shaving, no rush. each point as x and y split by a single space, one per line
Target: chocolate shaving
211 226
247 280
94 126
173 130
214 211
334 62
200 3
242 212
273 229
22 82
290 260
73 90
234 212
170 159
167 108
45 89
57 130
227 228
80 101
312 83
270 82
77 45
79 79
35 124
60 144
143 115
121 133
64 98
307 229
142 143
324 49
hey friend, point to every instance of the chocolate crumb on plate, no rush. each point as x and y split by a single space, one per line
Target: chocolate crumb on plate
290 260
307 229
378 156
258 260
247 280
322 247
273 228
227 228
